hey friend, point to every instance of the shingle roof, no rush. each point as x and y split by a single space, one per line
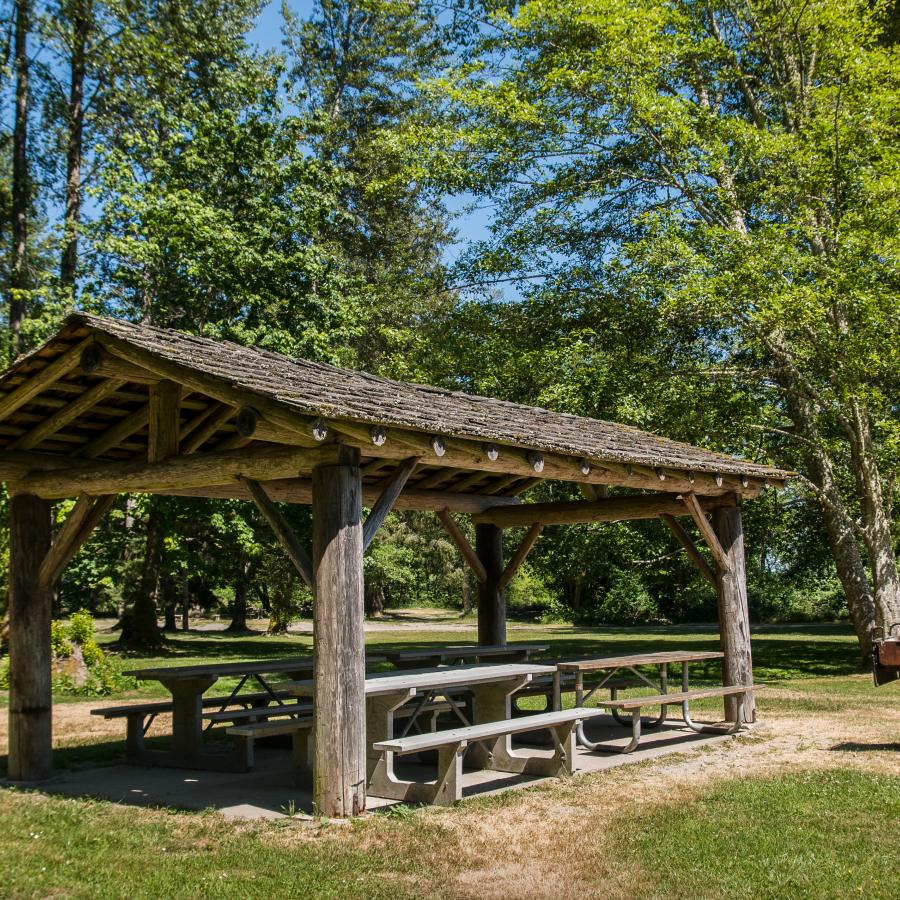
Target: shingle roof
336 393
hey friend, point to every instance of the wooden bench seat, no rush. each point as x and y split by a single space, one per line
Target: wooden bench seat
492 750
635 704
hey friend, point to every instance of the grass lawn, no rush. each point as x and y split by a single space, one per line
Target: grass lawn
807 806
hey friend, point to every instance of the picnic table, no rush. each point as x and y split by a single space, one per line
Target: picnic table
612 665
422 657
187 685
492 686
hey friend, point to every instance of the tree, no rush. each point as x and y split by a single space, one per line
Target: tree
737 165
354 70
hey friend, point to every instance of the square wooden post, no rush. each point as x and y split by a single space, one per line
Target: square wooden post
339 662
491 600
734 618
30 608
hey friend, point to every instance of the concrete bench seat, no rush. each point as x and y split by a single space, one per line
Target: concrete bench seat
298 727
492 739
634 705
155 708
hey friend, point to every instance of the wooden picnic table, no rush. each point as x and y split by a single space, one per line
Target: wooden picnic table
188 684
421 657
492 686
611 665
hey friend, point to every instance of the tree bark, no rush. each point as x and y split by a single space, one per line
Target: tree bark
30 695
239 606
20 181
139 628
80 14
842 541
876 521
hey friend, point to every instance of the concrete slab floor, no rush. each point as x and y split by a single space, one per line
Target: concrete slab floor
271 790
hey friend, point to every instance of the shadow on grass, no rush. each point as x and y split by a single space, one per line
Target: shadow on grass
855 747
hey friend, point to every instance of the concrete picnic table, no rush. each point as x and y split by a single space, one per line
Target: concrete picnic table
613 664
421 656
492 687
188 684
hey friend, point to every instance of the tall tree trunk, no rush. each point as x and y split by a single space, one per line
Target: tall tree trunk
876 521
20 182
845 549
80 14
185 605
139 626
239 606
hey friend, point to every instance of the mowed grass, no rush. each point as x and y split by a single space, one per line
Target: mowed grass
810 834
810 829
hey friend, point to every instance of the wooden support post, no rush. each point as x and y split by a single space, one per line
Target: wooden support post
491 599
339 729
30 702
734 619
165 413
708 531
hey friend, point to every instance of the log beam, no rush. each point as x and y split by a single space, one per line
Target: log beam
210 421
30 602
299 490
613 509
339 663
386 499
283 531
175 474
115 434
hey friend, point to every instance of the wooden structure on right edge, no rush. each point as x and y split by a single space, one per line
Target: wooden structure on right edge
108 407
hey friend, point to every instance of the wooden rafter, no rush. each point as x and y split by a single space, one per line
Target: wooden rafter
690 548
75 530
212 419
386 500
283 531
708 532
519 556
115 434
468 552
68 413
43 378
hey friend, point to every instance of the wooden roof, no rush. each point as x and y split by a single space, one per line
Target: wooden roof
84 395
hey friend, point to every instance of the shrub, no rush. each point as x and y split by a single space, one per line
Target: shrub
627 602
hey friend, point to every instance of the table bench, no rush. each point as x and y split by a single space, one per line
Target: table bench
452 743
634 705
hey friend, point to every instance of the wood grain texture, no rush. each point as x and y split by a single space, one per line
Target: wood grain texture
30 701
164 421
734 617
339 732
706 529
491 599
